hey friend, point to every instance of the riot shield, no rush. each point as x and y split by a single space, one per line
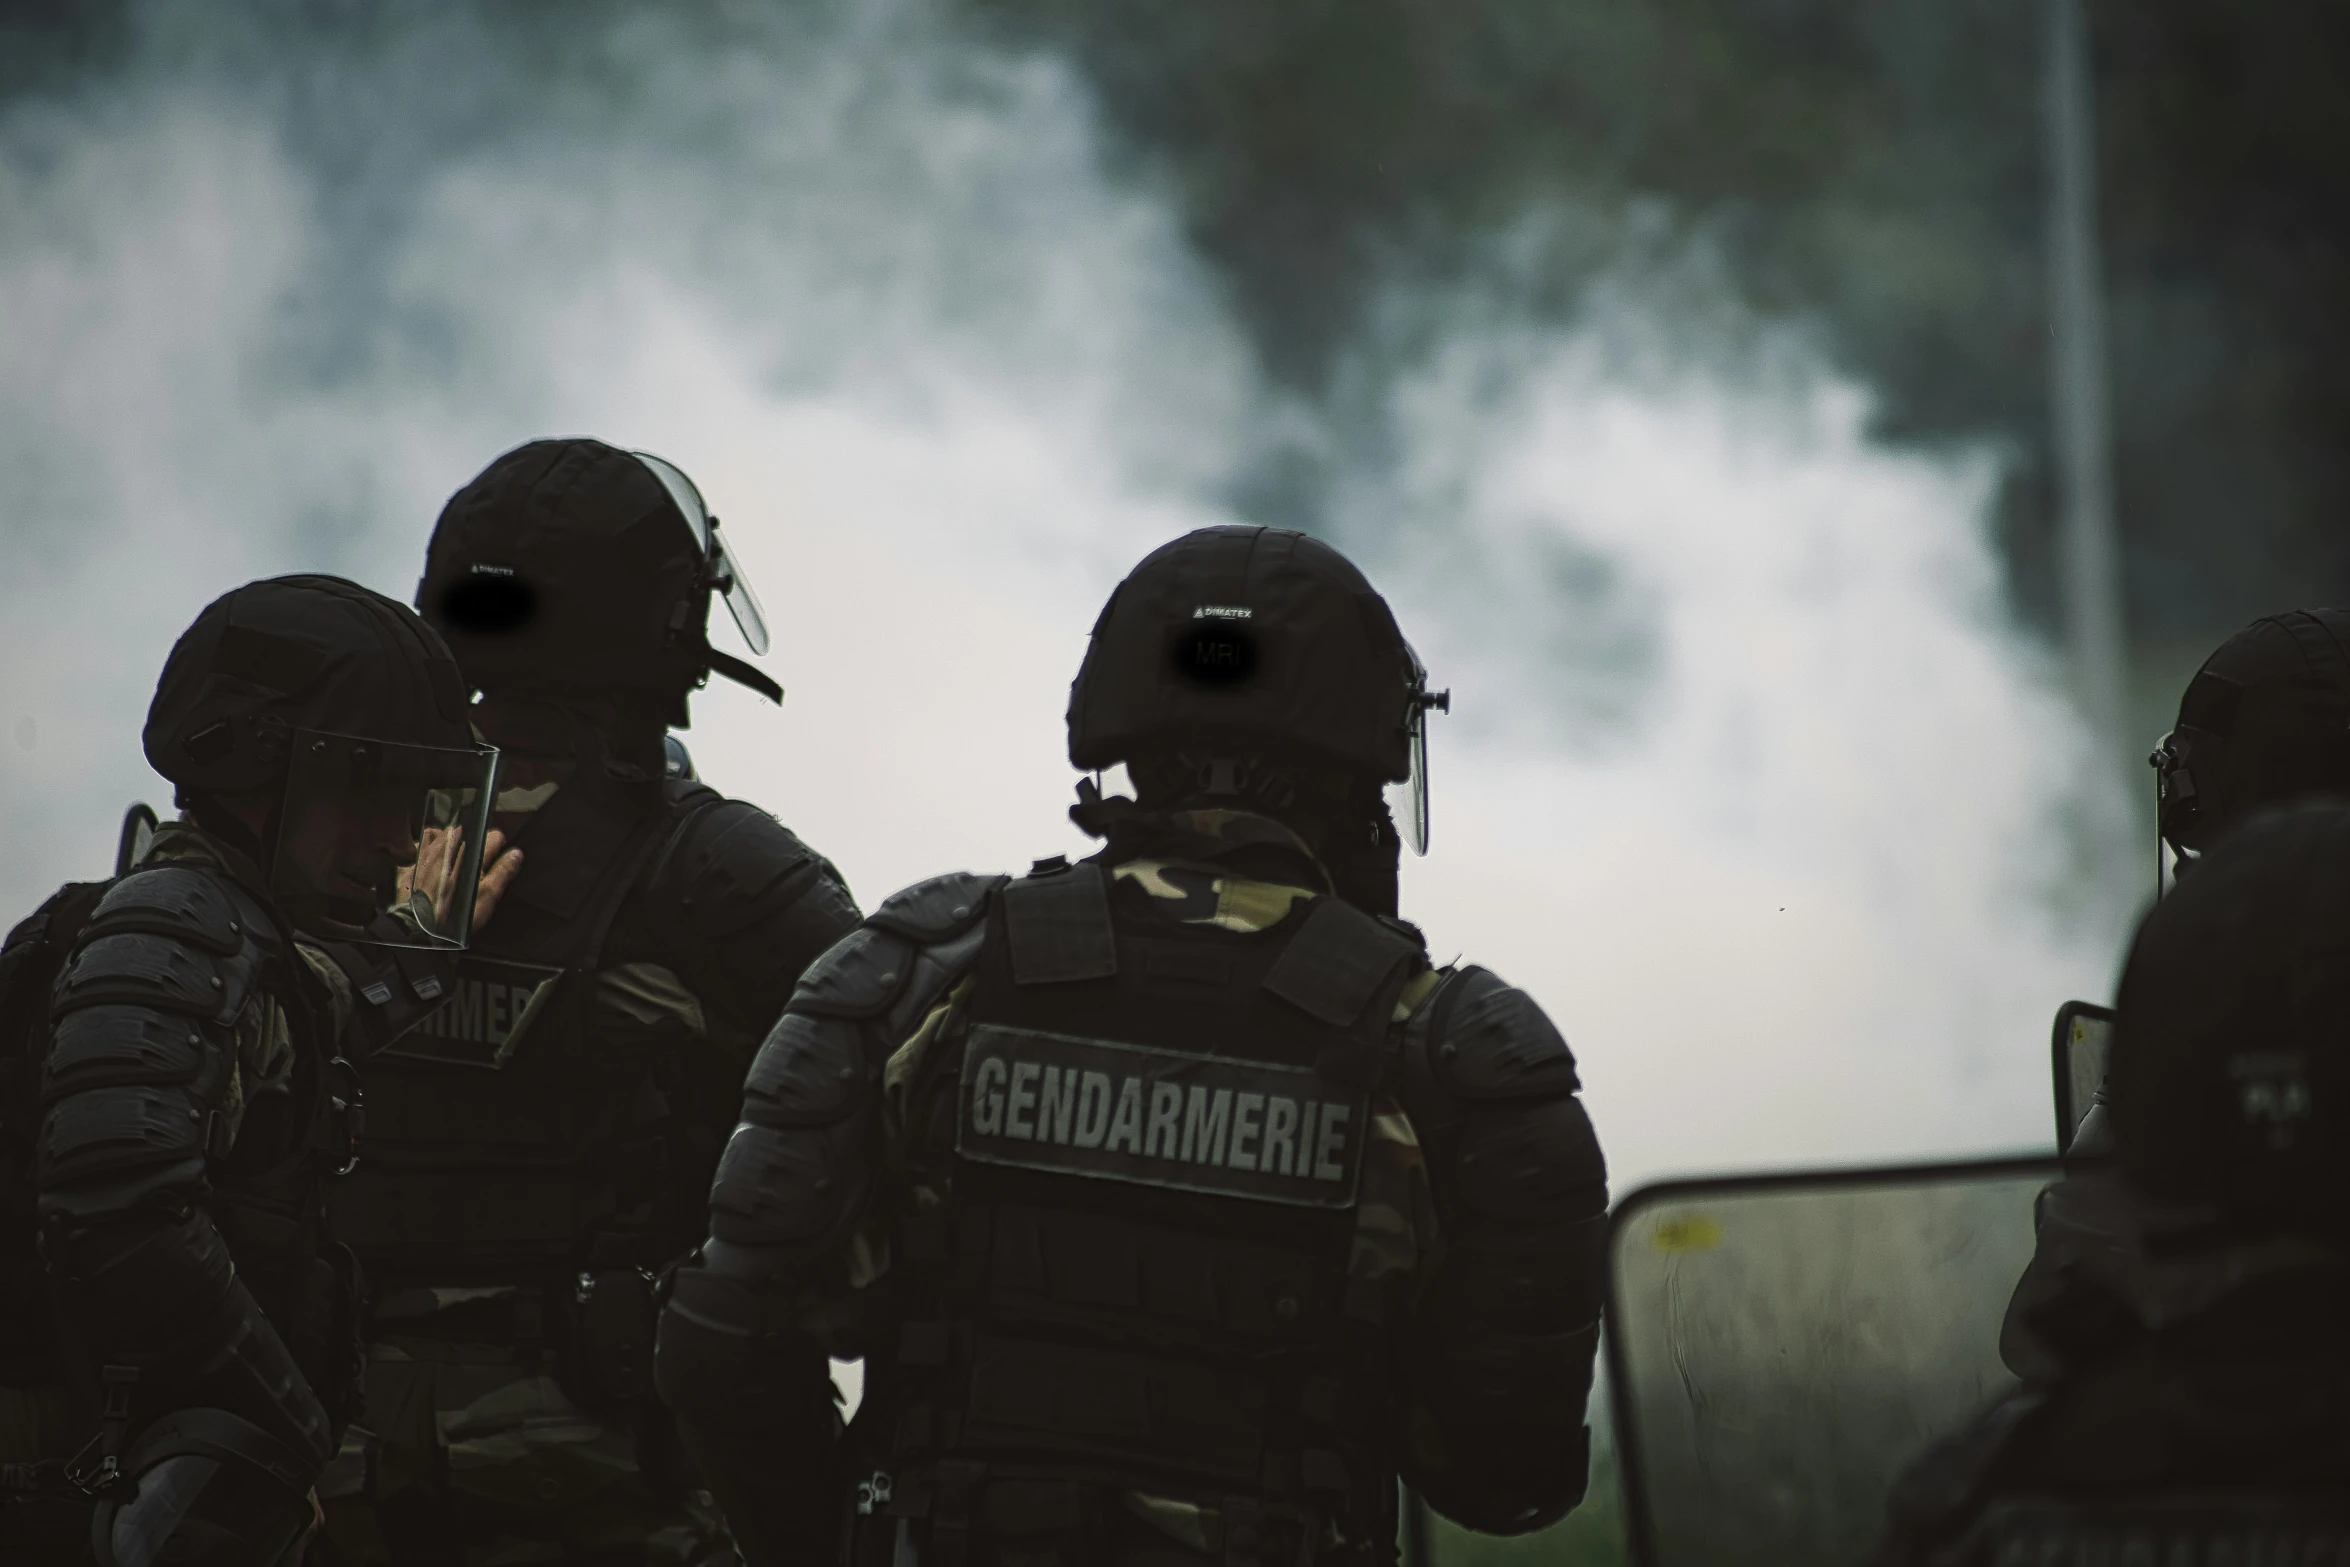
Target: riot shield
1781 1348
2078 1052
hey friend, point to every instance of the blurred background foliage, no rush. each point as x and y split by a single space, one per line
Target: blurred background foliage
1871 169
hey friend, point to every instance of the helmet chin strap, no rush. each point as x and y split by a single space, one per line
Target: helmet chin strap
743 674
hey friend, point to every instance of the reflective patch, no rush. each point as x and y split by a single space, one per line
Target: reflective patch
1164 1118
488 1015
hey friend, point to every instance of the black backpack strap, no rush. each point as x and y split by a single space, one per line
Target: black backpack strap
1057 927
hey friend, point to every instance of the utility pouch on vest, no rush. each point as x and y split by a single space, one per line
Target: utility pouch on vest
607 1352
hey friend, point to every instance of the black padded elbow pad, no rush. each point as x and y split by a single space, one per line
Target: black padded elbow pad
811 1071
794 1192
755 904
1534 1164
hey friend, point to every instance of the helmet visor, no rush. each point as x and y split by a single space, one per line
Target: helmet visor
381 842
1408 801
726 577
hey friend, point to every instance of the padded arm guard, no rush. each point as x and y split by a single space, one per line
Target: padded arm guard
133 1102
754 906
793 1185
1498 1358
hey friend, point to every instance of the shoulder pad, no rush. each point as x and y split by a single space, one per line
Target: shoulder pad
109 1046
937 909
729 860
810 1072
858 976
154 970
1490 1041
936 968
179 901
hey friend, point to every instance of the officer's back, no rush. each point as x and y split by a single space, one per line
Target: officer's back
1175 1201
2190 1397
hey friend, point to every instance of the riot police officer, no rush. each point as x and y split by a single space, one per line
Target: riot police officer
1174 1200
178 1088
2192 1402
2265 721
541 1147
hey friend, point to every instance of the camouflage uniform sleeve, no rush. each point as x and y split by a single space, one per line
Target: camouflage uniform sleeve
1496 1358
740 1356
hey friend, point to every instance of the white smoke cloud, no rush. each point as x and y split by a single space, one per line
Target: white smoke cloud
1750 781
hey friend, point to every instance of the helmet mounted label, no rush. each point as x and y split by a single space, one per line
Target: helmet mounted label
488 601
1216 649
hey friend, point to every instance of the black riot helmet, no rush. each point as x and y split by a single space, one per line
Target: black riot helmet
2230 1076
1244 661
2265 720
294 653
345 711
569 567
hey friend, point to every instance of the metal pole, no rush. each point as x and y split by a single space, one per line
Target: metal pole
2089 553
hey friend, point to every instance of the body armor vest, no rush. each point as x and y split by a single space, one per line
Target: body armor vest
1152 1135
518 1135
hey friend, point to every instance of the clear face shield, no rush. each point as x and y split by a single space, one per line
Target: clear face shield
726 577
380 842
1408 801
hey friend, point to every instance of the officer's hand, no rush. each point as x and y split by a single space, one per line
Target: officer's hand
499 866
434 874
